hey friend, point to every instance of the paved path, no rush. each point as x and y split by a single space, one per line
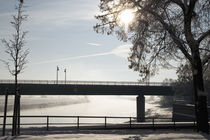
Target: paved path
111 135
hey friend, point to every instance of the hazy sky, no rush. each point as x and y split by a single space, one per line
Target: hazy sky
61 34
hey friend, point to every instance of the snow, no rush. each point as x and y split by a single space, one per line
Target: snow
111 134
131 134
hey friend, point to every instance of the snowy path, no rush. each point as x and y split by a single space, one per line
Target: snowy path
112 135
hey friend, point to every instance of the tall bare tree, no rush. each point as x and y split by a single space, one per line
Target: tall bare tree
16 58
164 31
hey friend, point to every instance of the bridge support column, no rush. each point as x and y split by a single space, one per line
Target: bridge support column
140 100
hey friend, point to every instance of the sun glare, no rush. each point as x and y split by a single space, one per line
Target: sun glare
126 17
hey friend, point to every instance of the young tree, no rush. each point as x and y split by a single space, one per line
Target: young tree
16 58
163 31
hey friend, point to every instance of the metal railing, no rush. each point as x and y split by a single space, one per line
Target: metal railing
86 82
128 122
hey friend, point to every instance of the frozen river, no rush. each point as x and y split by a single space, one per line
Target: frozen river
97 106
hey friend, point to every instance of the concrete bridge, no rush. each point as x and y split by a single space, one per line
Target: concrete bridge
46 87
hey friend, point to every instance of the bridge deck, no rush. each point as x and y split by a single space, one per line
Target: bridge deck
44 87
84 82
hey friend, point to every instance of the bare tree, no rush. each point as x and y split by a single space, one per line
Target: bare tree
164 31
16 58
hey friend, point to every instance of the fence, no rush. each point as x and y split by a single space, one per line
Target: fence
85 82
104 122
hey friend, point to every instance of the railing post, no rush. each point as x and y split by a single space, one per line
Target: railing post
77 122
194 125
130 123
153 123
174 125
47 123
105 122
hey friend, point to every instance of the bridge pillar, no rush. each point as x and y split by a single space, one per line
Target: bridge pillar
140 100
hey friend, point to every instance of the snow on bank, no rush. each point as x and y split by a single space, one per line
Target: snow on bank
112 135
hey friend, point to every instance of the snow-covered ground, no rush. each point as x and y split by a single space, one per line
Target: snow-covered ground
119 106
111 135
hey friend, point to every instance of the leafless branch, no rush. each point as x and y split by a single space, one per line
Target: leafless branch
203 36
206 60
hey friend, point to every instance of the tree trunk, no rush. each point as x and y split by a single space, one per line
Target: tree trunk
200 96
5 113
18 114
14 123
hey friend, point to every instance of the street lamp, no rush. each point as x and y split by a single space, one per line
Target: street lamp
57 75
65 75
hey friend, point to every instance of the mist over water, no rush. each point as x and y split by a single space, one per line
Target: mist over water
85 105
118 106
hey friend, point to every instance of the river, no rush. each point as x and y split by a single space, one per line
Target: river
97 106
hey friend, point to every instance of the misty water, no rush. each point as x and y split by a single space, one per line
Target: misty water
120 106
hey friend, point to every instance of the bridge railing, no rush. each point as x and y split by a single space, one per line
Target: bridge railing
85 82
80 122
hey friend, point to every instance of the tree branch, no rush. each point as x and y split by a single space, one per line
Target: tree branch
203 49
177 40
206 60
179 3
203 36
191 6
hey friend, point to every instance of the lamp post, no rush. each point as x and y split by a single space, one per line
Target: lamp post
57 75
65 75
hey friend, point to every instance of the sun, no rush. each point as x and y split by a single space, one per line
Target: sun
126 17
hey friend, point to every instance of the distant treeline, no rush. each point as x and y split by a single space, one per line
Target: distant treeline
183 92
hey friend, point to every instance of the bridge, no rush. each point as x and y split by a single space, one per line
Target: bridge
47 87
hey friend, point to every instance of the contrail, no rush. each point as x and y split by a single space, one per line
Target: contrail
93 44
73 58
121 51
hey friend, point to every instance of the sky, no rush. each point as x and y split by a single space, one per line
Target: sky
60 33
